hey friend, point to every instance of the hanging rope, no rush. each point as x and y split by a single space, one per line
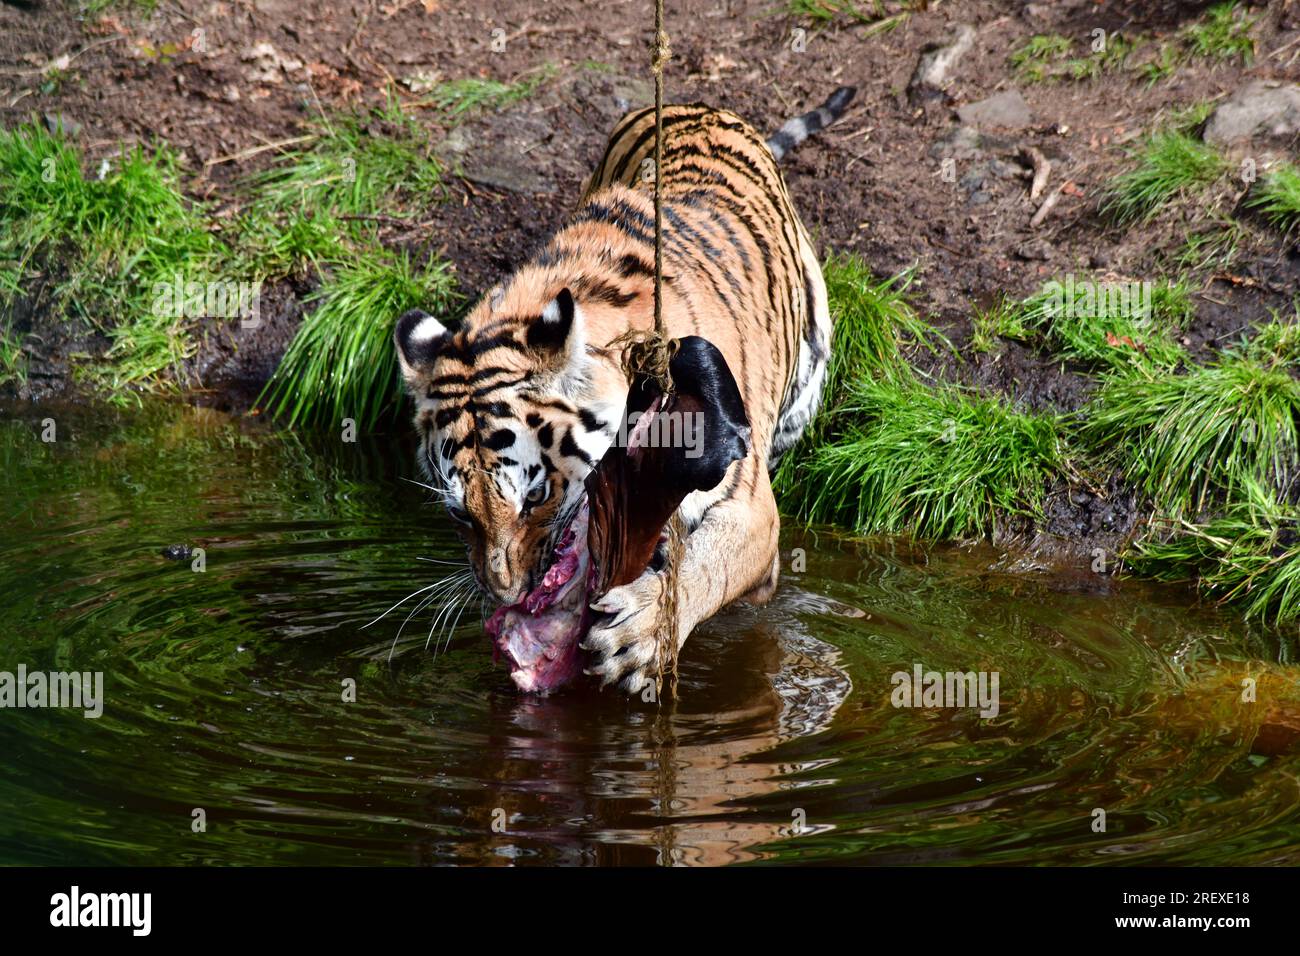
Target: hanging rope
660 358
659 59
649 354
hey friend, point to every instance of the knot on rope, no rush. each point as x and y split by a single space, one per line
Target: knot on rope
660 52
647 353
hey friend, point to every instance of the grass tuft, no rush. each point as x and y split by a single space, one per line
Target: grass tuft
936 461
1277 197
340 365
1004 320
355 166
889 452
1113 325
874 322
475 94
120 234
1034 60
1196 440
1046 58
1250 554
1168 164
1222 34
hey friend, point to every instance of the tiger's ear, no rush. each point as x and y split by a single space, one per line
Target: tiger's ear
558 337
419 338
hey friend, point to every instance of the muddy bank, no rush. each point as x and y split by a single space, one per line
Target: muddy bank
930 170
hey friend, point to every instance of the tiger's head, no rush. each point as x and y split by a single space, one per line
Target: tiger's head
514 407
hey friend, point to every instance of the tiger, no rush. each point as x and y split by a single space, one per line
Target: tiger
516 403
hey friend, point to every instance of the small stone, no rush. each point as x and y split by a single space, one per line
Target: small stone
1005 170
177 552
934 69
962 143
1035 250
54 122
1007 109
1265 107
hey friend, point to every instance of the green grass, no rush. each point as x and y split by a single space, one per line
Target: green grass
1035 59
1278 340
92 7
1214 247
873 325
1104 331
315 210
826 11
934 461
1005 320
278 244
358 164
1167 165
1168 58
873 322
105 242
1195 440
13 363
457 98
340 365
1222 34
1046 58
889 452
1277 197
1248 555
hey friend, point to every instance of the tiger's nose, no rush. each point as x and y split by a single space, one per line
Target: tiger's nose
498 575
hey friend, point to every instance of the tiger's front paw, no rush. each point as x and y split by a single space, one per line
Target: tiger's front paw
624 640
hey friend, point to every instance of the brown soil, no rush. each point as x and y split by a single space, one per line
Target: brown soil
870 184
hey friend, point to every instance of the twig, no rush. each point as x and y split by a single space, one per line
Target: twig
54 63
254 150
1042 171
1046 208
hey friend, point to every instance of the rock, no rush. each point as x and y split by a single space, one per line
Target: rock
1270 108
630 93
962 142
934 69
56 122
1035 249
267 63
1007 109
177 552
1005 170
975 177
512 177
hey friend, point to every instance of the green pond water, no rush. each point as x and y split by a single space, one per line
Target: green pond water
224 689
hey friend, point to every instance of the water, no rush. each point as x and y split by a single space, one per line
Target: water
224 690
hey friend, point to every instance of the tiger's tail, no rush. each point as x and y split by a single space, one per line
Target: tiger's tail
801 127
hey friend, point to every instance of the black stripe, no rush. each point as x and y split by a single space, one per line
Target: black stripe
569 448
